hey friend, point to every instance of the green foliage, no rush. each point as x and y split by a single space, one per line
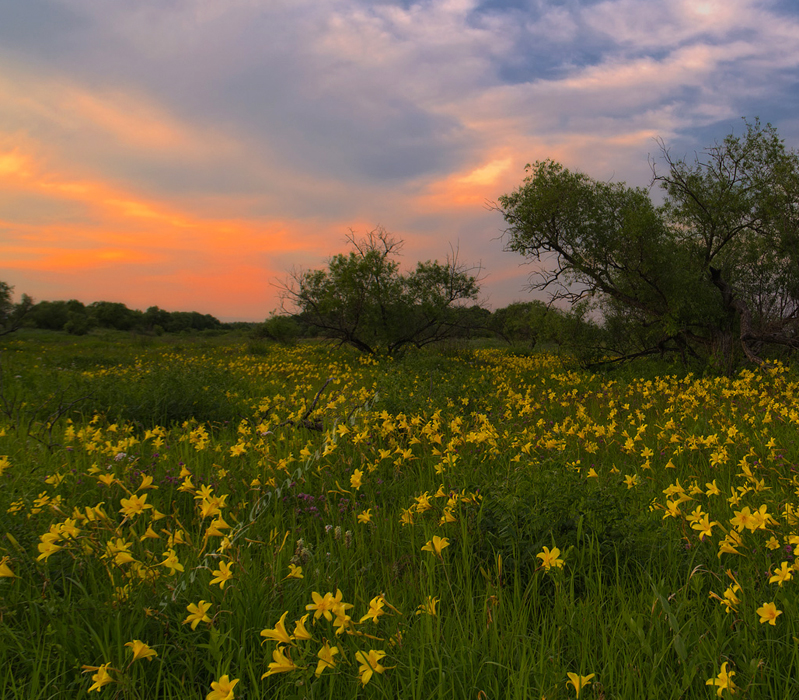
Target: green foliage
549 504
174 389
362 299
281 329
524 322
504 442
11 314
713 273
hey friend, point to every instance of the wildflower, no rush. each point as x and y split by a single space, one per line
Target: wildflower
550 558
730 600
579 682
222 689
704 525
375 609
743 519
672 509
146 483
216 527
135 505
204 492
141 650
447 517
278 634
295 571
101 678
422 503
723 680
342 620
300 631
326 654
282 663
171 562
696 515
428 607
768 613
729 543
761 518
781 575
223 574
326 605
149 534
631 480
435 545
407 516
356 479
198 613
370 664
365 516
47 549
5 569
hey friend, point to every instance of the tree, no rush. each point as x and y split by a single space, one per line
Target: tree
11 314
362 299
52 315
523 322
112 314
712 273
279 328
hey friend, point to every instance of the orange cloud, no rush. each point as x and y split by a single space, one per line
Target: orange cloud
14 164
112 243
124 116
64 259
129 118
468 189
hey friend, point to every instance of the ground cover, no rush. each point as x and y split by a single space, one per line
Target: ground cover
220 520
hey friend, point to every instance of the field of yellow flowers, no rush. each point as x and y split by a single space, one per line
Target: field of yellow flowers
219 520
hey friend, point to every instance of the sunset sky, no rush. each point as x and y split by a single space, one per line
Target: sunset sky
190 153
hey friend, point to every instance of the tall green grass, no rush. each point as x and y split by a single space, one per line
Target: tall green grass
507 440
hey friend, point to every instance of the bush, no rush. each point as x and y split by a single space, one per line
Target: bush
551 505
282 329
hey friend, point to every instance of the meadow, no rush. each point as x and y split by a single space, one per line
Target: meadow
220 518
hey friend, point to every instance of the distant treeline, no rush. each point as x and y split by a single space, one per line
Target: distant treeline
78 319
527 323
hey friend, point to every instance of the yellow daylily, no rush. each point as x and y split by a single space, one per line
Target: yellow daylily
141 650
282 663
579 682
435 545
198 613
222 689
279 633
550 558
723 681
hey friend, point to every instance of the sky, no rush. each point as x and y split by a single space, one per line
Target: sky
191 154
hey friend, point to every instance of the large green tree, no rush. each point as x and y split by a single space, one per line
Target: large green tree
364 300
713 272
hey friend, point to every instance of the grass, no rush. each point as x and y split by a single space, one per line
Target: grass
667 501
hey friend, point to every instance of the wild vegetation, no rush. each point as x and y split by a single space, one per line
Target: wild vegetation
711 274
201 518
418 512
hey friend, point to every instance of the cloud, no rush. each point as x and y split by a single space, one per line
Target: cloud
211 141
